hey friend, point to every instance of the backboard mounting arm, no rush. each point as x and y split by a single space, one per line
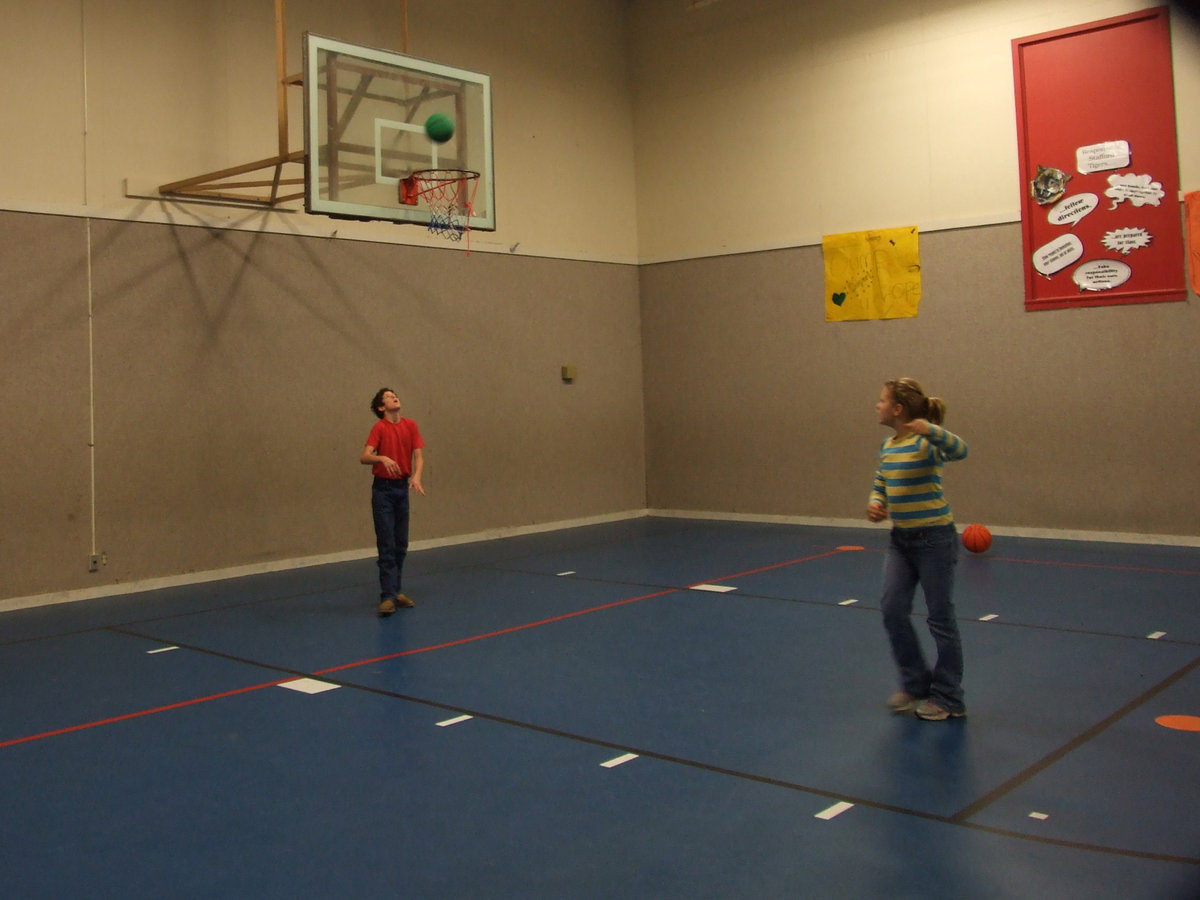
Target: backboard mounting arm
218 186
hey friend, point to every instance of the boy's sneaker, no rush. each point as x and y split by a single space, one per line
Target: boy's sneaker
387 606
404 602
931 712
903 702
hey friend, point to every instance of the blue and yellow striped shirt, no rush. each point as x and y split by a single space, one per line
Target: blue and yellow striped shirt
909 481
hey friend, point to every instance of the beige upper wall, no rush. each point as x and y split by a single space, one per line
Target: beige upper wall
624 131
756 123
768 123
104 91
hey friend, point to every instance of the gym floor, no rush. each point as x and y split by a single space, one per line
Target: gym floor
655 707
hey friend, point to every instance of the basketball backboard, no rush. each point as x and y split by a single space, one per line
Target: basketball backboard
364 131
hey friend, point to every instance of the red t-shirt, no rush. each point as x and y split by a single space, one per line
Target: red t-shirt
397 440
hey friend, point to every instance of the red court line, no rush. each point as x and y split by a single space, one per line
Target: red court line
782 565
364 662
570 615
1077 565
491 634
140 713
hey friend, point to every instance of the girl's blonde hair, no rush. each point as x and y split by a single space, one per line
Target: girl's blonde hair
910 395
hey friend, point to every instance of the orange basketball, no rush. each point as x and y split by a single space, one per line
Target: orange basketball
976 538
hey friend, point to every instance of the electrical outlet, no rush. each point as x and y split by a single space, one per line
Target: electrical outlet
94 563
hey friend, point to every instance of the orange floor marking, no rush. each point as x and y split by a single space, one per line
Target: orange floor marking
1180 723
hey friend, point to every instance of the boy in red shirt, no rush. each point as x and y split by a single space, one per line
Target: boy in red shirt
393 451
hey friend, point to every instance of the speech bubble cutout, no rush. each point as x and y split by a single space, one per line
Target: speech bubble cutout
1140 190
1102 157
1058 254
1101 274
1072 209
1124 240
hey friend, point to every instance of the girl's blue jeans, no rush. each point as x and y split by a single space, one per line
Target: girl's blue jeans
925 556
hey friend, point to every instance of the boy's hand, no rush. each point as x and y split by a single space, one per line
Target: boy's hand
415 484
392 467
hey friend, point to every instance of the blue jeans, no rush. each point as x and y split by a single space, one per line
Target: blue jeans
926 556
389 509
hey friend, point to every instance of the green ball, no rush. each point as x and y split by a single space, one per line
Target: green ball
439 127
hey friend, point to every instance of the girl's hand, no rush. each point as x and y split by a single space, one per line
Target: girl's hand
919 426
876 512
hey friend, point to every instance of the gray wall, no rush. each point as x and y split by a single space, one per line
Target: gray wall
233 373
224 358
1076 419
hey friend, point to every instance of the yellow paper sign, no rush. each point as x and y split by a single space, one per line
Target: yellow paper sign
872 275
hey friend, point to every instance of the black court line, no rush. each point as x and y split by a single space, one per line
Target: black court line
1016 781
124 629
778 782
958 819
293 673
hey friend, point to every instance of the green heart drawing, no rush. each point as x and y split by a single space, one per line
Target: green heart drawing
839 299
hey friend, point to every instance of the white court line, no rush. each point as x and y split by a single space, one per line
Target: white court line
836 810
1038 815
161 650
714 588
454 721
849 602
1155 635
618 760
572 572
309 686
988 617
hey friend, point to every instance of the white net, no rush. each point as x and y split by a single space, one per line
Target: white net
449 193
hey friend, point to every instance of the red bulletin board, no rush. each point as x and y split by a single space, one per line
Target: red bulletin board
1096 132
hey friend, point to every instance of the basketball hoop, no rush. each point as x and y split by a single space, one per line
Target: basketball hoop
450 195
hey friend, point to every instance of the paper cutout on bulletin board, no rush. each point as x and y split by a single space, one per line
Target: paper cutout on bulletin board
872 274
1191 202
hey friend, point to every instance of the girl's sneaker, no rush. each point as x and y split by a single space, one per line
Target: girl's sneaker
903 702
931 712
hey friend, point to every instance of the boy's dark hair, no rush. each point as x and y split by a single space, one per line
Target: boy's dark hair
377 401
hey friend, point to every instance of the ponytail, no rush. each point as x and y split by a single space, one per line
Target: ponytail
911 396
937 410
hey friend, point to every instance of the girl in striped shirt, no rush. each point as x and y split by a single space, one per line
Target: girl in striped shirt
923 548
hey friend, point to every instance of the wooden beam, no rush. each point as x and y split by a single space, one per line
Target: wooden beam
213 185
282 77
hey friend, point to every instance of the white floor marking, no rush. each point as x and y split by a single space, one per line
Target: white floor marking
454 721
161 650
1155 635
836 810
618 760
572 572
714 588
988 617
849 602
1038 815
309 686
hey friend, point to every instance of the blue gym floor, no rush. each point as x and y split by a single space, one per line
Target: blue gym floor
650 708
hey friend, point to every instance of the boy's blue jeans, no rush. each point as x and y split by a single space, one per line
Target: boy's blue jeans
926 556
389 509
